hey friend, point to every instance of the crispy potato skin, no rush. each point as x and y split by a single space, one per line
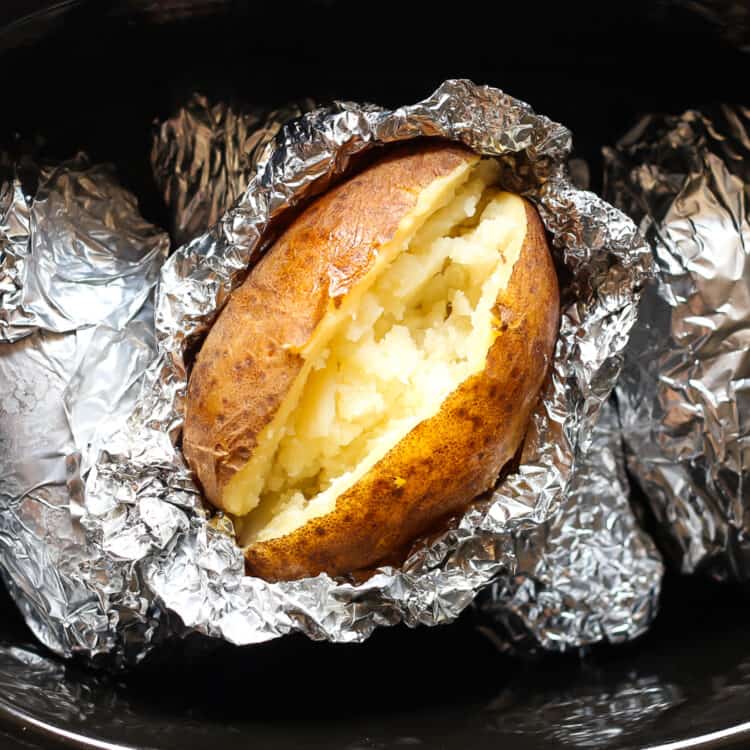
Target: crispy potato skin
249 359
448 459
248 363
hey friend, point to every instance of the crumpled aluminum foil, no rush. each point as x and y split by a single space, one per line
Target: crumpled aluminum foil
590 573
78 265
684 397
143 515
62 264
203 157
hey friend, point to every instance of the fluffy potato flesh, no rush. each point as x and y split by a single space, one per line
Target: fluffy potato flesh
406 338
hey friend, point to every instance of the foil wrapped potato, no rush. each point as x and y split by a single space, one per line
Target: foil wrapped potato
378 367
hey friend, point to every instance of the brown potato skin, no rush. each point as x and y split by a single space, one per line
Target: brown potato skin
448 459
250 358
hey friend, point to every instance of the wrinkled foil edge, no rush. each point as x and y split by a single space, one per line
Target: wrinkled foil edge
682 403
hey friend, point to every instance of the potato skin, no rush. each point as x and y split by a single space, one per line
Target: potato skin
446 460
249 359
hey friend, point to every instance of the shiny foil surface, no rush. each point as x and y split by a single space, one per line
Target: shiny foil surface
590 573
684 397
157 546
77 255
202 158
78 266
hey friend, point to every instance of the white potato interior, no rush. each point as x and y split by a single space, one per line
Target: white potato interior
409 337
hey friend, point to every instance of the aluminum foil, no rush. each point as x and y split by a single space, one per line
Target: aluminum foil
589 574
203 157
76 255
684 396
143 515
78 264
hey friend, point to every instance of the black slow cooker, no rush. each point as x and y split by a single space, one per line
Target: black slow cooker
93 76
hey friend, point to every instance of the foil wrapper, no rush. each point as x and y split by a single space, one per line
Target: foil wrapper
684 397
546 605
589 574
154 541
203 157
78 264
76 255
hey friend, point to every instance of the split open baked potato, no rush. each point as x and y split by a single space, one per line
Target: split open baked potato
378 367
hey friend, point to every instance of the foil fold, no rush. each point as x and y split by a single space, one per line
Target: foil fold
62 268
78 267
590 573
683 397
143 516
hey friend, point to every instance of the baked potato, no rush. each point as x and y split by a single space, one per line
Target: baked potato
378 367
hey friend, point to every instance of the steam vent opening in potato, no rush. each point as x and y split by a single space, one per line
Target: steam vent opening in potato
378 367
